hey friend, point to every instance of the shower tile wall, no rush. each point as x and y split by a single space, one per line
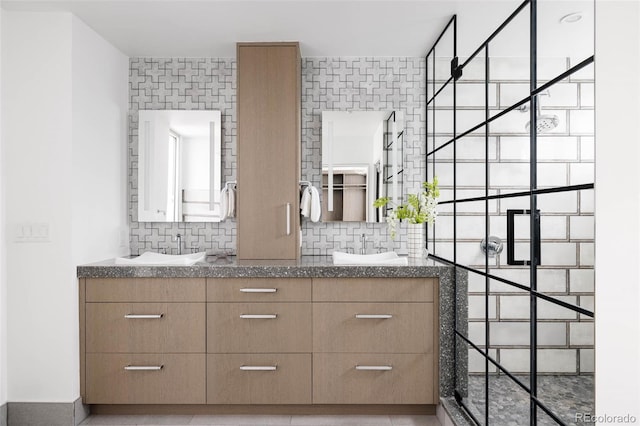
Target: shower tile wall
565 157
327 84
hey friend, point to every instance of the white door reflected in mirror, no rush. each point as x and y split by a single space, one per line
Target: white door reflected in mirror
179 165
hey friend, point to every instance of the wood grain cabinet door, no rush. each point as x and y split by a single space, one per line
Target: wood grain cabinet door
258 327
145 327
268 110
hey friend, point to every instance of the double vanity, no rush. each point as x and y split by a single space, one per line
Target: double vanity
226 335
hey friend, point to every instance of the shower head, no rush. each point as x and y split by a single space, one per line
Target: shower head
544 123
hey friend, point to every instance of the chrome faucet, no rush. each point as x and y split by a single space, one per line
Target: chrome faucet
363 244
179 240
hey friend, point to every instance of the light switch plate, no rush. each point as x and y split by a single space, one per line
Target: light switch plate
31 232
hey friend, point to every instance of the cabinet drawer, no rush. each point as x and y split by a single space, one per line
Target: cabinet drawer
263 327
180 380
373 327
145 327
383 379
373 289
258 289
145 289
259 379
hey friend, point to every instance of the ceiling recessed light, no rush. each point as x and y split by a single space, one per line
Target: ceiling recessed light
571 18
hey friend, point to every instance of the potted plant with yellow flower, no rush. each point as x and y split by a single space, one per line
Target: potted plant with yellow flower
419 209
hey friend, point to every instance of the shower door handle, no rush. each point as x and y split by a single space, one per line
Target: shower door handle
535 239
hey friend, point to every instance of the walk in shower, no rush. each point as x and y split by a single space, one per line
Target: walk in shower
511 139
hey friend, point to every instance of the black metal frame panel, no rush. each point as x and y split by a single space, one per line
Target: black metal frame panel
457 71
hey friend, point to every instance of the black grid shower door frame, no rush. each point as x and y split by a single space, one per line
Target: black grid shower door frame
457 71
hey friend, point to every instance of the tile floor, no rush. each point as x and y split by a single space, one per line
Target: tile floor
271 420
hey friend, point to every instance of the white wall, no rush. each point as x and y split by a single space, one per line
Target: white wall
62 170
100 102
617 208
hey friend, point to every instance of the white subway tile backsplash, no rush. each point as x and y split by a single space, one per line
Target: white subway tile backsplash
509 333
586 302
563 202
586 201
552 174
514 307
587 254
476 361
581 173
469 253
558 254
512 93
476 332
515 360
581 333
552 333
581 280
550 311
470 94
587 361
514 148
587 148
557 360
561 95
513 122
475 283
587 98
509 175
549 280
582 227
477 307
469 148
582 122
553 227
471 226
584 74
557 148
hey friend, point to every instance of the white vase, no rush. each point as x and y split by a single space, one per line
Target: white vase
415 240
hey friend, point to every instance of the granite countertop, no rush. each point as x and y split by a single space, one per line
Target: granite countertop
307 266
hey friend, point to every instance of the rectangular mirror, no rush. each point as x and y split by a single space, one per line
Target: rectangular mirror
362 159
179 166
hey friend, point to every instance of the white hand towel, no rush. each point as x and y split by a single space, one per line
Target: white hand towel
315 205
305 202
224 203
231 208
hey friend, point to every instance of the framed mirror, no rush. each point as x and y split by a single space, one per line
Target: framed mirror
362 159
179 166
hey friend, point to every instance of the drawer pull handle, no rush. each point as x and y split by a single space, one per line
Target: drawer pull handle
143 367
251 316
374 367
375 316
258 290
143 316
258 367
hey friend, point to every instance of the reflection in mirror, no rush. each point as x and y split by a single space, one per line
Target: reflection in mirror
362 159
179 166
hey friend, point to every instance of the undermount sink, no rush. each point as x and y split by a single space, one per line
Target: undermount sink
388 258
151 258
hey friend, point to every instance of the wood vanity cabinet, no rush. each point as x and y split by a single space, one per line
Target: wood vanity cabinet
142 340
269 144
375 341
259 341
252 341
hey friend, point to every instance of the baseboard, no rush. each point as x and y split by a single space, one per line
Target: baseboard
46 413
3 415
371 409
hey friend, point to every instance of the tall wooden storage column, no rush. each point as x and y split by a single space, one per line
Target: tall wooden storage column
268 114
